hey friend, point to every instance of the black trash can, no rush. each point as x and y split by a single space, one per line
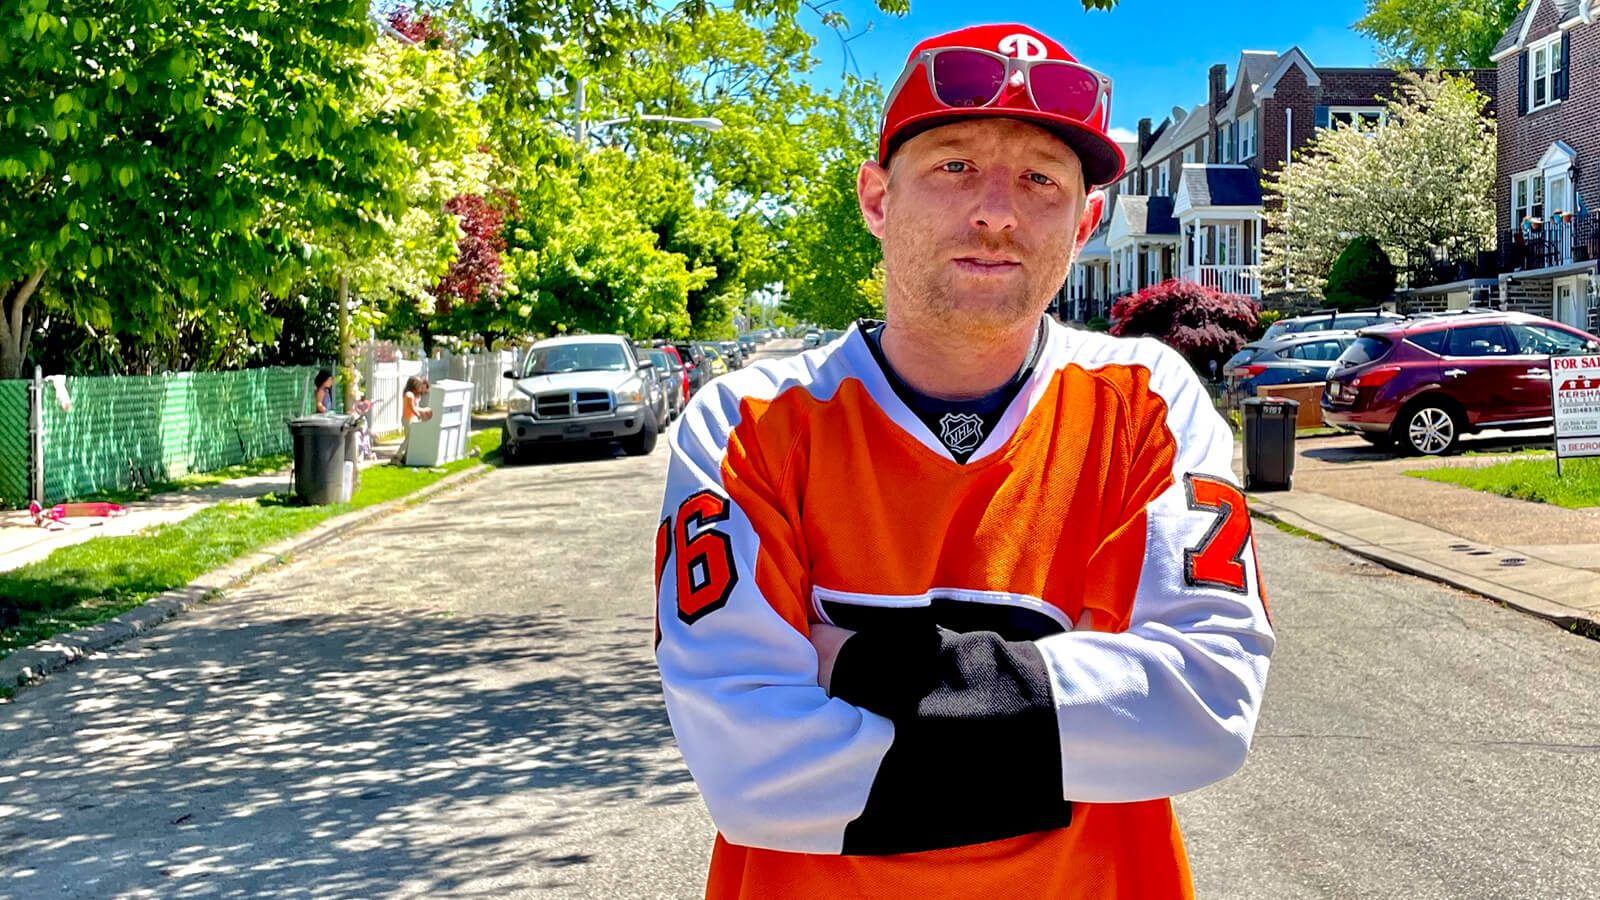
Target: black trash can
1269 426
320 458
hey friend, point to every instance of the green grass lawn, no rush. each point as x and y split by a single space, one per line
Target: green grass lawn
1528 479
98 579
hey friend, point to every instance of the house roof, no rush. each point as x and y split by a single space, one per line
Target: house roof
1096 248
1147 215
1219 185
1518 30
1254 67
1291 58
1193 127
1258 64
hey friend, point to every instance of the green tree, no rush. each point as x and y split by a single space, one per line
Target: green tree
1361 276
1422 185
145 144
1451 34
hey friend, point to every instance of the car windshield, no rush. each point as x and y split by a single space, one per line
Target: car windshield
1242 357
1365 350
661 359
577 358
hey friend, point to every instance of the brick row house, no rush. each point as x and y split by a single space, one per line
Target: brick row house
1192 205
1547 191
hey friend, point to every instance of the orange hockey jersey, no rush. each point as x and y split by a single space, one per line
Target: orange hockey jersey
1050 639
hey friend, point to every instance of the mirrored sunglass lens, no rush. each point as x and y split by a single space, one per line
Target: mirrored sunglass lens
966 79
1065 90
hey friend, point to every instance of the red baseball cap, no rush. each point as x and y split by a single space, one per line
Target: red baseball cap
1072 101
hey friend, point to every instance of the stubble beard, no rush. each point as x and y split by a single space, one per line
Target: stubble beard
922 291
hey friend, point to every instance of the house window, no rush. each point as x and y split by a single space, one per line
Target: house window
1226 142
1164 181
1527 200
1365 119
1190 154
1543 71
1247 138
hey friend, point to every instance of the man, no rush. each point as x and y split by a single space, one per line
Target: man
951 606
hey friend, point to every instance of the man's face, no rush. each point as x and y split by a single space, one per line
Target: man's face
979 220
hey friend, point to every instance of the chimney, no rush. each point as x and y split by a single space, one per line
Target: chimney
1219 85
1144 136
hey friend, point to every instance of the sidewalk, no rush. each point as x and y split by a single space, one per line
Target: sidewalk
1539 558
22 542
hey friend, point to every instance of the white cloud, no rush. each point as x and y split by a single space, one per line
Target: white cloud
1123 135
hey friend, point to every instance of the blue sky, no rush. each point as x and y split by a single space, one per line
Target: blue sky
1156 51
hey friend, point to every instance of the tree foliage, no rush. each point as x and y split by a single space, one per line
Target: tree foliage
1361 276
1449 34
1422 185
162 160
1202 323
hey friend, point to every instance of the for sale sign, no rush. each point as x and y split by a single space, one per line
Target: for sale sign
1576 383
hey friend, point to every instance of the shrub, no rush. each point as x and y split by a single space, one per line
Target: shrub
1361 276
1203 324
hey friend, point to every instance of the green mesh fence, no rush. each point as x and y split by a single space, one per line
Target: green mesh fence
13 443
123 431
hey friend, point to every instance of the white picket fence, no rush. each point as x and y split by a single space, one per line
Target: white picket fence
385 382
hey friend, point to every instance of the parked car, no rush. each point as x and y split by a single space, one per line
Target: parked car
733 353
1303 358
670 372
695 363
1423 383
812 338
1329 320
714 360
582 389
682 368
749 343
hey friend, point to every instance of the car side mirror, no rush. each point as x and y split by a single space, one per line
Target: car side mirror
511 374
647 364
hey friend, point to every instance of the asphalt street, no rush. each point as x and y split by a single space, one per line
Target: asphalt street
459 701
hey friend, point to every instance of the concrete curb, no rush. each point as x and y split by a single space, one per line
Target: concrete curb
1521 601
28 665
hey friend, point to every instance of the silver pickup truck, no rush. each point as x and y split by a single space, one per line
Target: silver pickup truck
580 389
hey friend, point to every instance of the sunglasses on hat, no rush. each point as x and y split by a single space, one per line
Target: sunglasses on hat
970 78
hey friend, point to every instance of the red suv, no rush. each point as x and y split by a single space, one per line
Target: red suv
1424 382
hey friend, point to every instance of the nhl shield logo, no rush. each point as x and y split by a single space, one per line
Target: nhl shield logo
961 431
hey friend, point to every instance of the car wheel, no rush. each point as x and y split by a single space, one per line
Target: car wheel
1429 429
642 443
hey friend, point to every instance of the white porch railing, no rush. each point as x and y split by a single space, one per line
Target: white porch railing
1244 280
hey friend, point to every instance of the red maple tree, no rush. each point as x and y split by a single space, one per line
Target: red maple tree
422 27
476 272
1202 323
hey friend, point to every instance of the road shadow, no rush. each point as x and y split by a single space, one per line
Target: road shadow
329 754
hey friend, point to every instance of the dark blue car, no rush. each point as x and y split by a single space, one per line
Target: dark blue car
1304 358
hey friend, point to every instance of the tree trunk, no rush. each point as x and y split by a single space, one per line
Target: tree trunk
16 325
347 370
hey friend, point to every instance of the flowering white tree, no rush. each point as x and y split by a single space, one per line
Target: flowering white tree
1421 183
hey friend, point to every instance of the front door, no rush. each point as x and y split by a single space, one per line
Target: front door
1558 194
1568 309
